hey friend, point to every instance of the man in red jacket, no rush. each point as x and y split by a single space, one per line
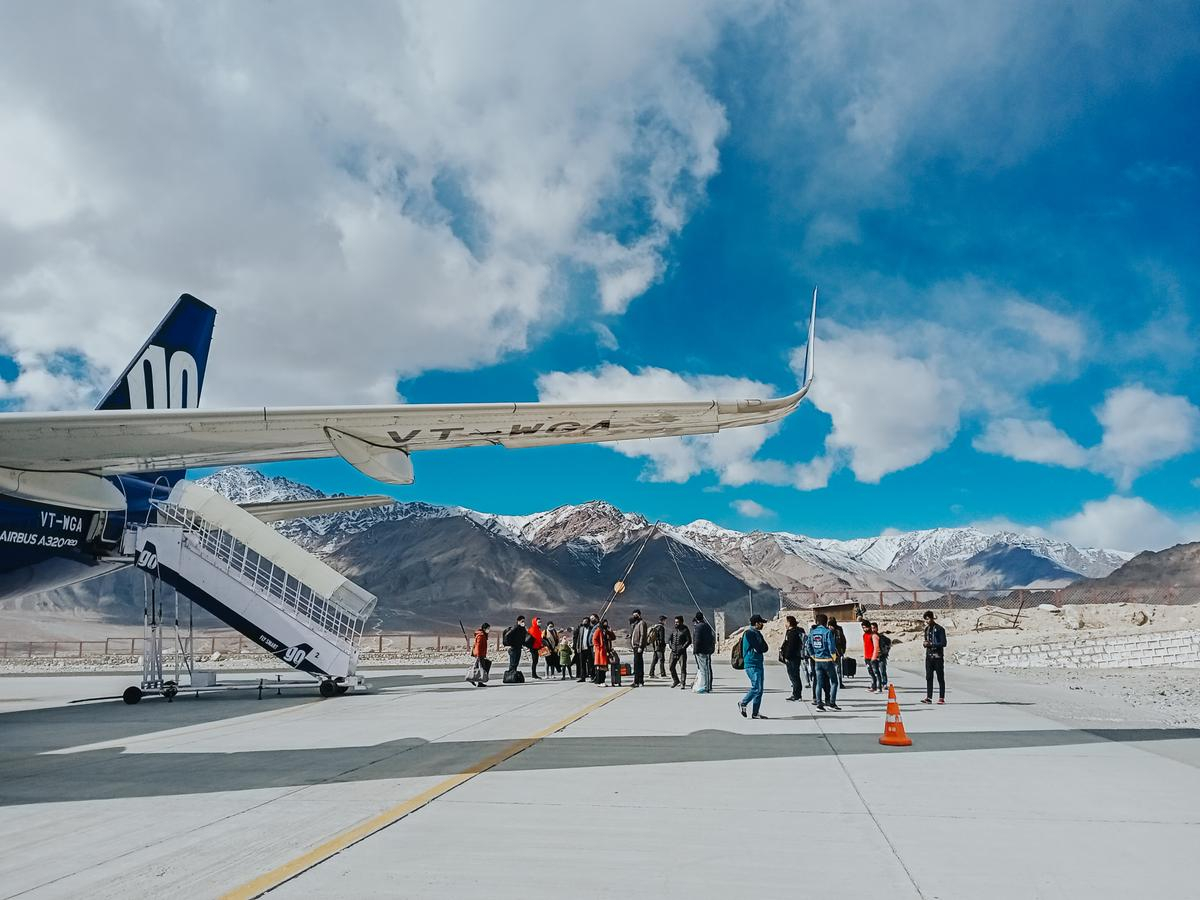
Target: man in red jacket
871 657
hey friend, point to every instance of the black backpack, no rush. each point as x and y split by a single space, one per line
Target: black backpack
736 659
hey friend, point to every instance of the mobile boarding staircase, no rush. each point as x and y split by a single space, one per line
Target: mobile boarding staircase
253 579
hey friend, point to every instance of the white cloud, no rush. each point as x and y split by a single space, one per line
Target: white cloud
1125 523
1140 429
1031 441
751 509
605 339
371 196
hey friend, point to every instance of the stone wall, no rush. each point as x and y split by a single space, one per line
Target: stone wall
1164 648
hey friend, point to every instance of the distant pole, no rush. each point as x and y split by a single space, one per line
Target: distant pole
750 594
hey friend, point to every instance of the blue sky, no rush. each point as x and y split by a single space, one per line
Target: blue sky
999 204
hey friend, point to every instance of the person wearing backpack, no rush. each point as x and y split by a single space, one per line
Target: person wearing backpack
704 645
822 647
790 655
514 638
935 658
658 645
839 638
754 655
679 641
883 648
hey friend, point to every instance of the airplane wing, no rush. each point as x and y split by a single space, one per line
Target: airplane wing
283 510
377 440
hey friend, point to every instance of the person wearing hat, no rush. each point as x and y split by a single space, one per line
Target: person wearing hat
754 655
704 645
638 637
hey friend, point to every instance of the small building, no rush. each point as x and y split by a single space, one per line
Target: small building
843 612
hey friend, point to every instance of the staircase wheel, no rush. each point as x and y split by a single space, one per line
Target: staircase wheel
328 688
132 695
342 688
170 689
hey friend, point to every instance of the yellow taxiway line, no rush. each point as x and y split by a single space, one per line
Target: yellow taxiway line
340 842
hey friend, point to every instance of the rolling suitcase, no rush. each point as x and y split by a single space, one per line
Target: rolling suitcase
849 666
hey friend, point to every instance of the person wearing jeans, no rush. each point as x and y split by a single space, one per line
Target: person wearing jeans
822 648
871 657
754 653
883 646
704 644
935 658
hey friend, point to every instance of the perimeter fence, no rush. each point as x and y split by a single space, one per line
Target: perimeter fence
993 598
226 644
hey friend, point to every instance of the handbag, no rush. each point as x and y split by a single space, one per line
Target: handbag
543 650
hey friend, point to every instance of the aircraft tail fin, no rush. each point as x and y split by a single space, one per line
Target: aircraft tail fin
168 372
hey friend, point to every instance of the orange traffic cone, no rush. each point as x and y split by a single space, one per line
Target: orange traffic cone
893 727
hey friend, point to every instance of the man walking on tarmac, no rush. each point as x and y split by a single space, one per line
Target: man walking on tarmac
637 643
935 658
822 647
479 651
658 644
754 655
514 639
679 641
704 645
790 655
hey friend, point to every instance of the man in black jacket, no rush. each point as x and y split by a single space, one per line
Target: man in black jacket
581 643
658 644
935 658
514 639
839 640
790 654
703 647
679 641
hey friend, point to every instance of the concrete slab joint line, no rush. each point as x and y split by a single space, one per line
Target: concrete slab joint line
330 848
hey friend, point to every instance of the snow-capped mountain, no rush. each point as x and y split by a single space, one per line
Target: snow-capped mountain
590 533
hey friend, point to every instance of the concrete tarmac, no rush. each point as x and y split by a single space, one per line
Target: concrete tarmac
428 787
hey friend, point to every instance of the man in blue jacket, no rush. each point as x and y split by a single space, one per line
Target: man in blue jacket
754 653
822 648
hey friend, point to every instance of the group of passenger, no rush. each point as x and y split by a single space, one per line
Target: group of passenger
815 660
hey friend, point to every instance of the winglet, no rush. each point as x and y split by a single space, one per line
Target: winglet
810 349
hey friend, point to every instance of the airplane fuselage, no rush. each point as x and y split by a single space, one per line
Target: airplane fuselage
45 546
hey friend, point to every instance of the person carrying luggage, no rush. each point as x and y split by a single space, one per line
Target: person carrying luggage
480 665
513 639
599 651
935 658
679 640
754 655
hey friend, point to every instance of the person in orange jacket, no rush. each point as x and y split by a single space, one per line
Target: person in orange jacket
600 651
535 646
479 650
871 657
